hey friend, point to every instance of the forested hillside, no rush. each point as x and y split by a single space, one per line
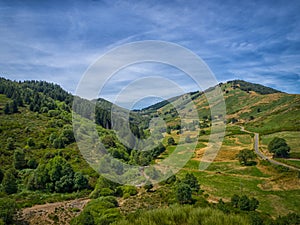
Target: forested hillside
41 163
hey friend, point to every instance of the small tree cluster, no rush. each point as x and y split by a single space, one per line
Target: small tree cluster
186 187
144 158
11 107
244 203
57 176
66 137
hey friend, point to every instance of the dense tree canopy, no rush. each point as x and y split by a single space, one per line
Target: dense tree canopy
279 147
244 156
57 175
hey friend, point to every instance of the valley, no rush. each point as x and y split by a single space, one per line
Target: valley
42 166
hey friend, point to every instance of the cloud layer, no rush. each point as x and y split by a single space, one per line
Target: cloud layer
258 41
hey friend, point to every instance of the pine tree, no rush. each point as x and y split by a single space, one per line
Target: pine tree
14 106
9 183
184 193
19 159
6 108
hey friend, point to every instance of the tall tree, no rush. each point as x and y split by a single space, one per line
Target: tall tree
184 193
192 181
9 182
19 159
7 108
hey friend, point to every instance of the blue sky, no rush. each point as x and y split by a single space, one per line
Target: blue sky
56 41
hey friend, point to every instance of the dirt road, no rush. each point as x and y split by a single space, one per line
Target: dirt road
52 213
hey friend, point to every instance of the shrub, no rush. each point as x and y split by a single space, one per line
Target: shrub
171 141
100 211
30 142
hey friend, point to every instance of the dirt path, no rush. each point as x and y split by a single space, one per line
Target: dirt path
52 213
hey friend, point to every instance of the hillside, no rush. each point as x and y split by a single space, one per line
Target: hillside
259 108
41 163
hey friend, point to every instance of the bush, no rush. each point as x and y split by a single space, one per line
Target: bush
32 164
130 190
57 175
244 203
30 142
171 141
100 211
10 144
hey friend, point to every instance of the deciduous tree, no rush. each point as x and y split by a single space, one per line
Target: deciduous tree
244 156
279 147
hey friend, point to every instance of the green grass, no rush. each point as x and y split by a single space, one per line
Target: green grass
224 185
228 168
294 163
270 123
178 215
248 170
292 138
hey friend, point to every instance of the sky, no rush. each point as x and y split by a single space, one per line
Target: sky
57 41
